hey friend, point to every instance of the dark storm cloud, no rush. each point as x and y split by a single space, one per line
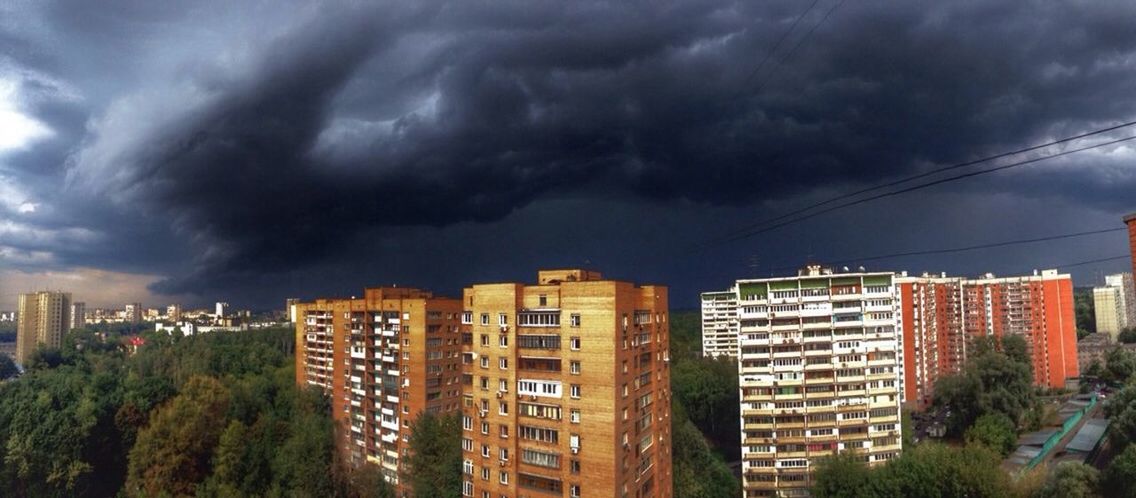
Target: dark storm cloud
278 139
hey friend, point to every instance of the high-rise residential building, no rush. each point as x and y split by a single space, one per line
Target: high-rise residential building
1038 307
1130 220
1108 308
720 324
820 372
133 313
78 315
384 359
943 315
1126 295
221 310
173 313
44 318
290 309
567 388
934 341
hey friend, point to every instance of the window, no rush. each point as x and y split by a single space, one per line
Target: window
574 415
543 300
467 318
539 411
503 341
485 318
574 466
574 367
575 390
503 408
539 434
485 451
574 343
503 363
485 427
502 319
540 458
484 362
467 422
484 339
574 320
539 319
504 454
503 385
503 431
504 477
574 490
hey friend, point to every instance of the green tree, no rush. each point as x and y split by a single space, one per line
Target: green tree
995 431
7 367
1017 349
1118 477
1119 365
697 471
172 454
435 459
989 383
843 476
1127 336
1071 480
708 391
1083 308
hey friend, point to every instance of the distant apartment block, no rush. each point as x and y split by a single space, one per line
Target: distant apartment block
1038 307
173 313
290 309
43 319
720 324
78 315
941 315
385 359
221 310
566 388
820 372
1114 304
133 313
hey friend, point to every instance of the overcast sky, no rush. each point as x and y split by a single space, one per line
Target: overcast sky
252 151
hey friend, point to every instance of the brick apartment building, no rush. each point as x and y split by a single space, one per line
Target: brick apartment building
566 388
384 359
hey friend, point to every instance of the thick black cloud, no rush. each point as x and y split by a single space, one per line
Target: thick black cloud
355 120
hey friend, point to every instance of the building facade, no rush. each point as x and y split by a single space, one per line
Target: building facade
43 318
1108 309
720 324
78 315
384 359
820 371
173 313
1038 307
934 340
566 388
133 313
1130 220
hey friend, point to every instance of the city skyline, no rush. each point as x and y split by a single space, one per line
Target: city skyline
431 144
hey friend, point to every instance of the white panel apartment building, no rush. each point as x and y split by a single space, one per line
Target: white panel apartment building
1115 304
720 323
820 371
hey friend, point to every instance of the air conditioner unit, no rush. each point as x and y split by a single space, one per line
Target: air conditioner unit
498 394
482 413
532 397
502 463
575 450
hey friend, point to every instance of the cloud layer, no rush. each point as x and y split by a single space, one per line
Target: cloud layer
224 145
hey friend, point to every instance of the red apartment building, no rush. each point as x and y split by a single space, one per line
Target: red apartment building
942 314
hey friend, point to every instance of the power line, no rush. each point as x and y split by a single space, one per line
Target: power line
777 45
971 248
938 170
798 45
1089 262
750 233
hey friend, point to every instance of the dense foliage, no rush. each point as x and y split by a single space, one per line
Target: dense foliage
992 382
211 415
704 421
435 458
1083 310
928 470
